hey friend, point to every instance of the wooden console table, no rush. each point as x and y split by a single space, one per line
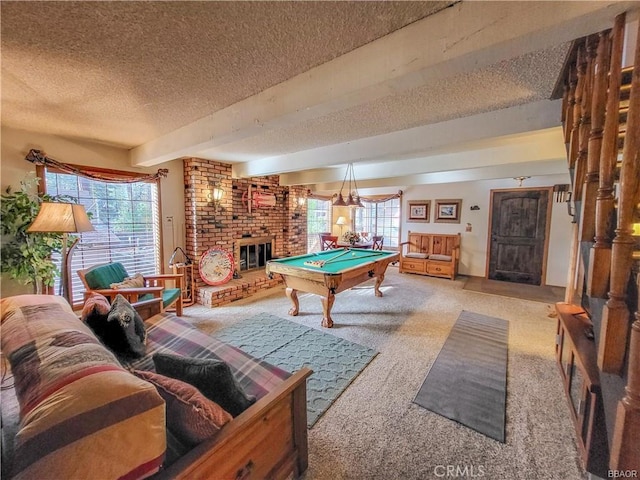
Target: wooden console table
576 355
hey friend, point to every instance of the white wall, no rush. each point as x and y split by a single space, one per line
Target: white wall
13 168
474 244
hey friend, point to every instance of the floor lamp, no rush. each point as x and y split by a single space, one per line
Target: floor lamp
341 222
62 218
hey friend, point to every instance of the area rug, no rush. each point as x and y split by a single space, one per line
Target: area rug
468 381
335 362
535 293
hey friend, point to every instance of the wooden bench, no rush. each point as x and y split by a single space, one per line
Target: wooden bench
430 254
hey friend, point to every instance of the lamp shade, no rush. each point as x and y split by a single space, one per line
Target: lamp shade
218 193
61 218
341 221
339 201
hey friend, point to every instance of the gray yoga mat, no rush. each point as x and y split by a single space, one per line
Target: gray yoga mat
468 381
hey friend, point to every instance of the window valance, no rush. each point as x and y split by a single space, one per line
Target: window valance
38 157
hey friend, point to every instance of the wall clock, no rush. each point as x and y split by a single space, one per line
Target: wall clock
216 266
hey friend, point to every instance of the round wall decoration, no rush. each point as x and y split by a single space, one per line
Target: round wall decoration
216 266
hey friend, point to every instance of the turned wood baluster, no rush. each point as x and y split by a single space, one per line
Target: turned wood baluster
567 115
600 256
585 119
574 143
598 102
625 447
563 112
615 321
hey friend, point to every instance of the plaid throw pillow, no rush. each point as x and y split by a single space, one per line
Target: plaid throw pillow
191 416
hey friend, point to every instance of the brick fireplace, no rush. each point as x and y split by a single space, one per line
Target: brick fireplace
229 225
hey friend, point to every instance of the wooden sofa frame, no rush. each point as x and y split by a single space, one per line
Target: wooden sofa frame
428 244
268 440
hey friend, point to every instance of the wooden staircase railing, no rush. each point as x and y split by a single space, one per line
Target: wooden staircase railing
600 255
616 315
601 120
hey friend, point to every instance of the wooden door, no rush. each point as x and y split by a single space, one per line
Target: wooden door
519 234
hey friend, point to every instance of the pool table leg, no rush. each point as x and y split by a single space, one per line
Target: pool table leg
379 280
292 294
327 303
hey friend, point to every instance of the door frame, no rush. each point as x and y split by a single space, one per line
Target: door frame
547 229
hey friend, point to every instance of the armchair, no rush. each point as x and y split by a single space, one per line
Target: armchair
100 277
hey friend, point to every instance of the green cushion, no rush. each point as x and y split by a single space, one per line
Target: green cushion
169 295
102 276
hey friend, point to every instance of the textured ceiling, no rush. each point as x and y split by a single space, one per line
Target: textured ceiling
127 72
294 86
517 81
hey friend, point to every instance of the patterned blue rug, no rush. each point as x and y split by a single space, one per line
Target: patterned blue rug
335 362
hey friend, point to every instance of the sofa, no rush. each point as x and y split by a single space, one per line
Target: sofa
82 413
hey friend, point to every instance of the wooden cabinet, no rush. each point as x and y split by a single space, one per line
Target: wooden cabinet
416 266
435 268
431 254
577 359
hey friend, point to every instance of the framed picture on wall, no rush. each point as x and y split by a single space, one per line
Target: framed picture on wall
418 210
448 211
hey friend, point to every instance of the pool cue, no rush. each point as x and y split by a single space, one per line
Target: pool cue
329 260
322 263
362 256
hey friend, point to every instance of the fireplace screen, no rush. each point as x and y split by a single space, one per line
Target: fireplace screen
253 253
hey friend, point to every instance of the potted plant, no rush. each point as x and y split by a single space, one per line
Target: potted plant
26 257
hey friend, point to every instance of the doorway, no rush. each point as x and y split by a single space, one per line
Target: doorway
519 235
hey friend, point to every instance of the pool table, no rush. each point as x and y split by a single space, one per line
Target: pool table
330 272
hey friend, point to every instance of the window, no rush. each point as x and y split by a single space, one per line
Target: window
126 221
318 221
380 218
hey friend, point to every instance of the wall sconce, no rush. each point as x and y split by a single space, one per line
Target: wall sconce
214 195
218 193
636 230
299 202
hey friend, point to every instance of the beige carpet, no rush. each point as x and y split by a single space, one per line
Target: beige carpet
374 431
544 293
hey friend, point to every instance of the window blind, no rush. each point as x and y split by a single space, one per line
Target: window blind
318 221
126 221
